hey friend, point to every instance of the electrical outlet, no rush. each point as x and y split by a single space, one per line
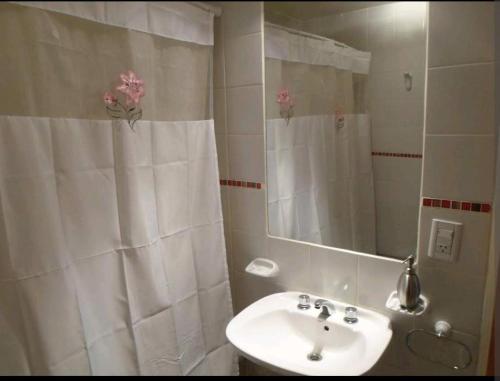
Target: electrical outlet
445 240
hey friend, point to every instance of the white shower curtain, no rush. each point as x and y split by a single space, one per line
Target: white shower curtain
320 176
112 253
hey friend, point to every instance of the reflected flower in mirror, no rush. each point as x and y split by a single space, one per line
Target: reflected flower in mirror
339 118
132 87
286 104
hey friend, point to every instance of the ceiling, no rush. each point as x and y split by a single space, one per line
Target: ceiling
304 10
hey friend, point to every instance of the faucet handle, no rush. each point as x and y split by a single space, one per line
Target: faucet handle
351 315
318 303
304 302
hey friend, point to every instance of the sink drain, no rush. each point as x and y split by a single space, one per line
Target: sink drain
314 356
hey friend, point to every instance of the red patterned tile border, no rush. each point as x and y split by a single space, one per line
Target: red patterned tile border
240 183
397 154
458 205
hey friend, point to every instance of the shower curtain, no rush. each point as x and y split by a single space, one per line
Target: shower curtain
320 177
112 254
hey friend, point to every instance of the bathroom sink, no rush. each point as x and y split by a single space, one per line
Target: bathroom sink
275 333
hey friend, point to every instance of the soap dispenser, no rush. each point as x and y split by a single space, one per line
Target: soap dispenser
409 286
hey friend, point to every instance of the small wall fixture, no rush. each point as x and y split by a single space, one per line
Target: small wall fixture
408 81
263 267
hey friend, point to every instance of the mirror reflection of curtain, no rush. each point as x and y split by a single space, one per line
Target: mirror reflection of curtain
320 178
112 253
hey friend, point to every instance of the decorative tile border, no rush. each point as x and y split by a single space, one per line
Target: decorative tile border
458 205
397 154
240 183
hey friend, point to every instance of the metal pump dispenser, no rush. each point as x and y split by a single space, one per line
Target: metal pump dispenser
409 286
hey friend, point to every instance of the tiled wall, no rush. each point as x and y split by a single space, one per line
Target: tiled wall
459 155
395 35
282 19
458 165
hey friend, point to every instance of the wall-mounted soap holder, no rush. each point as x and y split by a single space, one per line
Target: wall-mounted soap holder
394 305
263 267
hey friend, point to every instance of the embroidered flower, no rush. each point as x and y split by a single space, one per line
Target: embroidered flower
132 87
339 117
284 98
286 104
109 98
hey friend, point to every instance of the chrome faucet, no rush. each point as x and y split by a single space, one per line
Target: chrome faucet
327 308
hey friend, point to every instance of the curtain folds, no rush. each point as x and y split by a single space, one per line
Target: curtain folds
289 45
112 252
320 175
320 181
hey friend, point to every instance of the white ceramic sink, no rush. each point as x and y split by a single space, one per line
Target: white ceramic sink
275 333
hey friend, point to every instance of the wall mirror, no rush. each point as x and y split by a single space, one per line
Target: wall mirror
344 87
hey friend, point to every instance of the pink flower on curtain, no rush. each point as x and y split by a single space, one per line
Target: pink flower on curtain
339 117
284 98
133 89
286 103
109 98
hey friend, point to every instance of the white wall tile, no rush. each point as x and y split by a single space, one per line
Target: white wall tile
334 274
249 288
241 17
397 195
328 24
244 60
453 296
246 157
411 21
219 64
246 248
220 140
377 278
460 100
403 139
248 210
294 262
474 246
220 111
461 32
224 194
396 219
396 113
390 85
411 29
398 169
351 28
459 167
245 111
381 38
285 20
382 25
397 354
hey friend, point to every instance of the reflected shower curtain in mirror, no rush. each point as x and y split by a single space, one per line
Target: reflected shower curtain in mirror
112 253
320 177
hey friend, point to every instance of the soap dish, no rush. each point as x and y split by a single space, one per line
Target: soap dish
263 267
394 305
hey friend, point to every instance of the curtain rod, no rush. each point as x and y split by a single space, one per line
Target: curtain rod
305 34
217 11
